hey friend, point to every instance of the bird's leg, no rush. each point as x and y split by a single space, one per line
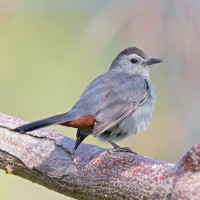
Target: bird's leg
122 149
114 145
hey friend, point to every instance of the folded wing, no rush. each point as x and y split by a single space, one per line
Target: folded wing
120 102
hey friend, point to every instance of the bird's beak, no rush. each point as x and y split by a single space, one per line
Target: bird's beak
152 61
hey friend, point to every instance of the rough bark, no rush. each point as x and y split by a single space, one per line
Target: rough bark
45 157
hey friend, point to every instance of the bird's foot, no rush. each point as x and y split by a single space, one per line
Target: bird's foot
125 149
122 149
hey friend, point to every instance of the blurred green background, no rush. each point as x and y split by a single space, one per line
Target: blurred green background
51 50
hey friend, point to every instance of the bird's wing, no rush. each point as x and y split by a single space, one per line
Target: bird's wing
120 102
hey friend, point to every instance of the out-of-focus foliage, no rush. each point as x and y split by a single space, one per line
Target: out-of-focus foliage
51 50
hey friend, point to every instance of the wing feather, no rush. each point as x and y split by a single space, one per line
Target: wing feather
115 108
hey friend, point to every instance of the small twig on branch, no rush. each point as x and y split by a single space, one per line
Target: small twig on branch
45 157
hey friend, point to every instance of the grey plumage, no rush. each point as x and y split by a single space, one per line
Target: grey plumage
119 104
121 100
132 50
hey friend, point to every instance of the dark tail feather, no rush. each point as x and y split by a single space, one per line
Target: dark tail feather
80 136
78 141
57 119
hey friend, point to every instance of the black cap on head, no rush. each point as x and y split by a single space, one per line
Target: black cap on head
134 50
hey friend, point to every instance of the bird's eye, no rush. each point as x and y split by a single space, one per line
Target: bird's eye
133 60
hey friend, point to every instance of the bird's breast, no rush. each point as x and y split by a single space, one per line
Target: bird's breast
137 122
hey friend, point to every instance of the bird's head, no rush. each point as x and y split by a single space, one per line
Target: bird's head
133 61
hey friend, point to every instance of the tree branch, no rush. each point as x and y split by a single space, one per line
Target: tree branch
45 157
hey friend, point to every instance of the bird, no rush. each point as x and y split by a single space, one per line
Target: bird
115 105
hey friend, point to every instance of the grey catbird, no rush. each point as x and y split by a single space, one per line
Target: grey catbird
115 105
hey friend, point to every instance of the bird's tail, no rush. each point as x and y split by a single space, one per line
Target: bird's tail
57 119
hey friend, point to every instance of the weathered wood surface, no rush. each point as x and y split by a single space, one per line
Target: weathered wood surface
45 157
